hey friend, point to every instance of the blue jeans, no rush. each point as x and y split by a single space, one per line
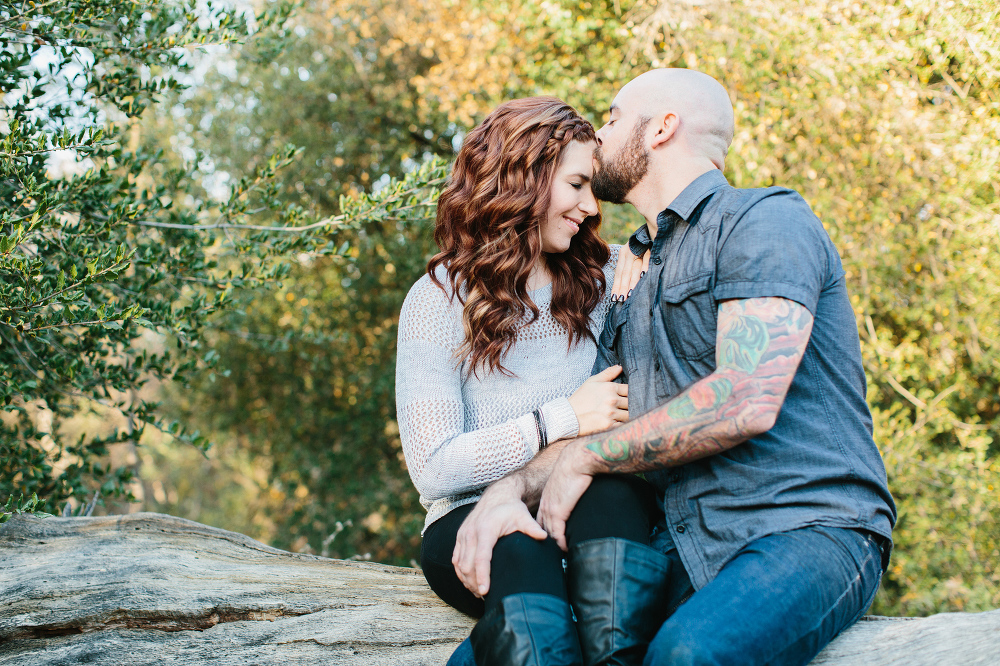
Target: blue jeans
780 600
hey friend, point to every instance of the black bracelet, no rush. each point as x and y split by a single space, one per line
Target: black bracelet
543 439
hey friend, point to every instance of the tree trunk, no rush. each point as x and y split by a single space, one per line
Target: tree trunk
152 589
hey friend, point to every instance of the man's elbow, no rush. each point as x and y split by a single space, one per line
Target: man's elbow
761 418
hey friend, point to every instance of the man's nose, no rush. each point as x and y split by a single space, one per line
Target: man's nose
598 135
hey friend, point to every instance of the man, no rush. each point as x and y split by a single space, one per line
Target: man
747 396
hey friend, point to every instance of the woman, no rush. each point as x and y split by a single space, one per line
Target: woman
496 344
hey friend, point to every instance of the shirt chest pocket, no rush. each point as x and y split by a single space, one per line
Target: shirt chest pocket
690 317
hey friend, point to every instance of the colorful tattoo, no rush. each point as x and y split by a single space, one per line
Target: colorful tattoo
744 345
610 449
760 343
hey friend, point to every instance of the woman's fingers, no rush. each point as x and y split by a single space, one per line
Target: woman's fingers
626 272
607 374
625 259
634 274
633 268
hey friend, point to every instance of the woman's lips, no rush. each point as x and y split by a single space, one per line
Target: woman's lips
573 224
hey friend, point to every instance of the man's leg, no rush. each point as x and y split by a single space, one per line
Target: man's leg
779 601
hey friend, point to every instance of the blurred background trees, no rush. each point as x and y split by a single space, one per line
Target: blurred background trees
885 115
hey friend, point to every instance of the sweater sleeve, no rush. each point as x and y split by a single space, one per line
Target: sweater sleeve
442 458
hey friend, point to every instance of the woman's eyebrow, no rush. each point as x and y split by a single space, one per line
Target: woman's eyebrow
582 176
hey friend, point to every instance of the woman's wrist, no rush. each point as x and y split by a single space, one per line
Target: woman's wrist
560 419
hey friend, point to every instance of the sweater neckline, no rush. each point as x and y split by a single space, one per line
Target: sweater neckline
540 291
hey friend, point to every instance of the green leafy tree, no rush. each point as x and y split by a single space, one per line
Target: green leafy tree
112 258
93 252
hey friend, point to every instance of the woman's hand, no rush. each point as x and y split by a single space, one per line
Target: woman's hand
628 270
600 403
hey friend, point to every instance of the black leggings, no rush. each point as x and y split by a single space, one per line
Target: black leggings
620 506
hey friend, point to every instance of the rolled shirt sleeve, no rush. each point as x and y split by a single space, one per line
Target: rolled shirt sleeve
779 248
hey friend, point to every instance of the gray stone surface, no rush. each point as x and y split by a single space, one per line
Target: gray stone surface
153 589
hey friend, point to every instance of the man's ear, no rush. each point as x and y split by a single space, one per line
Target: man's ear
667 129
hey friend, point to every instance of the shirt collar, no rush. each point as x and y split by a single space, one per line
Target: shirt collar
683 206
640 241
700 189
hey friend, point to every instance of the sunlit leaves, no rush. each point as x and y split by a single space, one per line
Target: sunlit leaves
84 276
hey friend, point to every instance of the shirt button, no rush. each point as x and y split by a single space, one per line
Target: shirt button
674 478
656 365
657 261
681 529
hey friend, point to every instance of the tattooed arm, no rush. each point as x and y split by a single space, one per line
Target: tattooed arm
759 344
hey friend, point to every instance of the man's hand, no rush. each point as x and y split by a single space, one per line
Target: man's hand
567 483
499 512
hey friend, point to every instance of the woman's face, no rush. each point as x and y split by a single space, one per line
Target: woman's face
570 201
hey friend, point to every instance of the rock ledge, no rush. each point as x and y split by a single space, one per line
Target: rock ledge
152 589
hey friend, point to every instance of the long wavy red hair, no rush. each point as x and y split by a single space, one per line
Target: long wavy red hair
489 229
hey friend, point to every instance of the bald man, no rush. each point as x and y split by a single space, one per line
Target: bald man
747 396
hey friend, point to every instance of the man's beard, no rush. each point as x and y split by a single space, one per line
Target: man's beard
616 178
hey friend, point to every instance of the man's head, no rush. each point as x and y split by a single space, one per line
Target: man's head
668 119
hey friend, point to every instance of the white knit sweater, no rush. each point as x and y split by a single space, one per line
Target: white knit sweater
461 432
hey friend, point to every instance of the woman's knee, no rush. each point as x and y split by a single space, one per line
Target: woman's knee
517 550
523 565
619 506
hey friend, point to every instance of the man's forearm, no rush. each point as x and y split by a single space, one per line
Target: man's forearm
703 420
761 343
527 482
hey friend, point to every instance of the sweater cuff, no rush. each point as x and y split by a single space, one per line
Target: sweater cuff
560 419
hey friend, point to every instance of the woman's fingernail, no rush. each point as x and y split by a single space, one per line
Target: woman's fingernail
641 274
628 294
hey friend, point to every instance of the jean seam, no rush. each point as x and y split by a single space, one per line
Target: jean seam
850 586
878 578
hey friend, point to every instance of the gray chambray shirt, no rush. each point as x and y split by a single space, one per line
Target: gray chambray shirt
819 464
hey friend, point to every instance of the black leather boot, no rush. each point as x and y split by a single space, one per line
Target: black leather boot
619 591
527 630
